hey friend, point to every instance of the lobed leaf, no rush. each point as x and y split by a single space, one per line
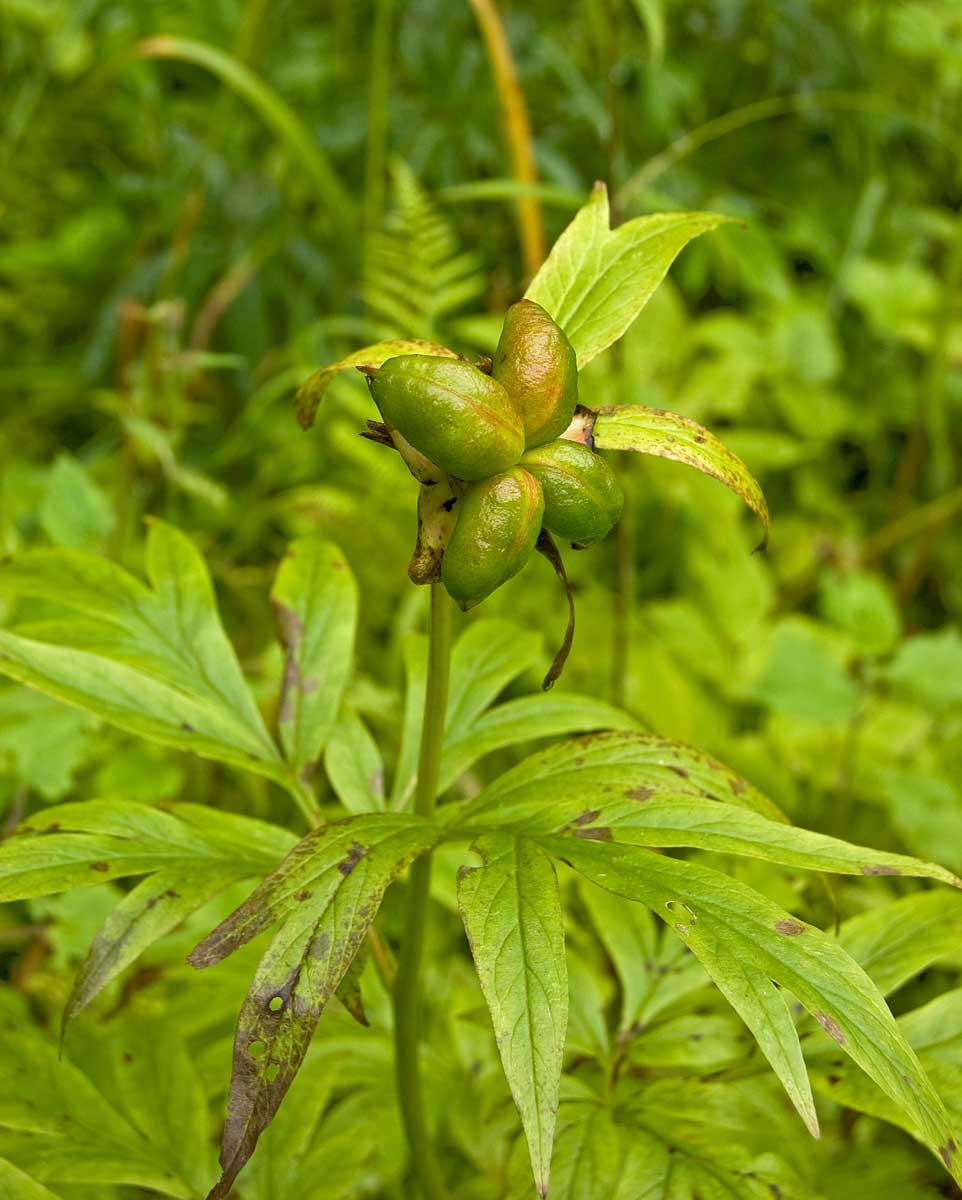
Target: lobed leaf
596 280
748 944
669 435
326 894
189 855
154 660
511 907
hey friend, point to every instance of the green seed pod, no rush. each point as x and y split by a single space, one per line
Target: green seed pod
462 419
537 365
499 520
582 497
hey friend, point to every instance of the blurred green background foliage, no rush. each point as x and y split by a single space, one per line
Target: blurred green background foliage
201 202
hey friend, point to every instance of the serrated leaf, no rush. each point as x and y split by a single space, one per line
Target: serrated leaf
153 660
669 435
315 599
511 909
596 280
326 894
311 392
189 854
745 942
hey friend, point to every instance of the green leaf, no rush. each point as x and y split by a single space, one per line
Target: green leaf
597 1159
653 967
311 392
526 719
63 1129
16 1185
486 658
326 894
632 768
714 1139
43 742
354 766
315 599
75 512
190 854
511 909
669 435
153 660
900 939
594 802
747 944
596 280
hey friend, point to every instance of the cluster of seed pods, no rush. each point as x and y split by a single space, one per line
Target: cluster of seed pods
498 437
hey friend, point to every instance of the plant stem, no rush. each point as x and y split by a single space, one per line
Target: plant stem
407 987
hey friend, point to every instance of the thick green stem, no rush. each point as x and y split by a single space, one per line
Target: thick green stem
407 987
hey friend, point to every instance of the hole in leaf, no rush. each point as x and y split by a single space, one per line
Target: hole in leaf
272 1072
257 1049
276 1003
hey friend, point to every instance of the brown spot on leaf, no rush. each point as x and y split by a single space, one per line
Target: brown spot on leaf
640 793
947 1153
302 896
679 771
292 629
879 869
789 928
831 1027
589 815
187 727
598 833
354 856
100 866
833 1079
738 786
775 1190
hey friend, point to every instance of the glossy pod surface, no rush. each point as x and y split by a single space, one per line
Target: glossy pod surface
497 527
537 366
462 419
582 497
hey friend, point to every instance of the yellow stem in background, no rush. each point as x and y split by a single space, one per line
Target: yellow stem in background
517 130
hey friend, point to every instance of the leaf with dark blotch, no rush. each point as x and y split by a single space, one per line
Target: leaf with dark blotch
311 392
668 435
748 944
326 893
315 599
623 763
511 907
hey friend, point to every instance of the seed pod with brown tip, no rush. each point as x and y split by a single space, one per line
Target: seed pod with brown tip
499 520
537 365
462 419
582 497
